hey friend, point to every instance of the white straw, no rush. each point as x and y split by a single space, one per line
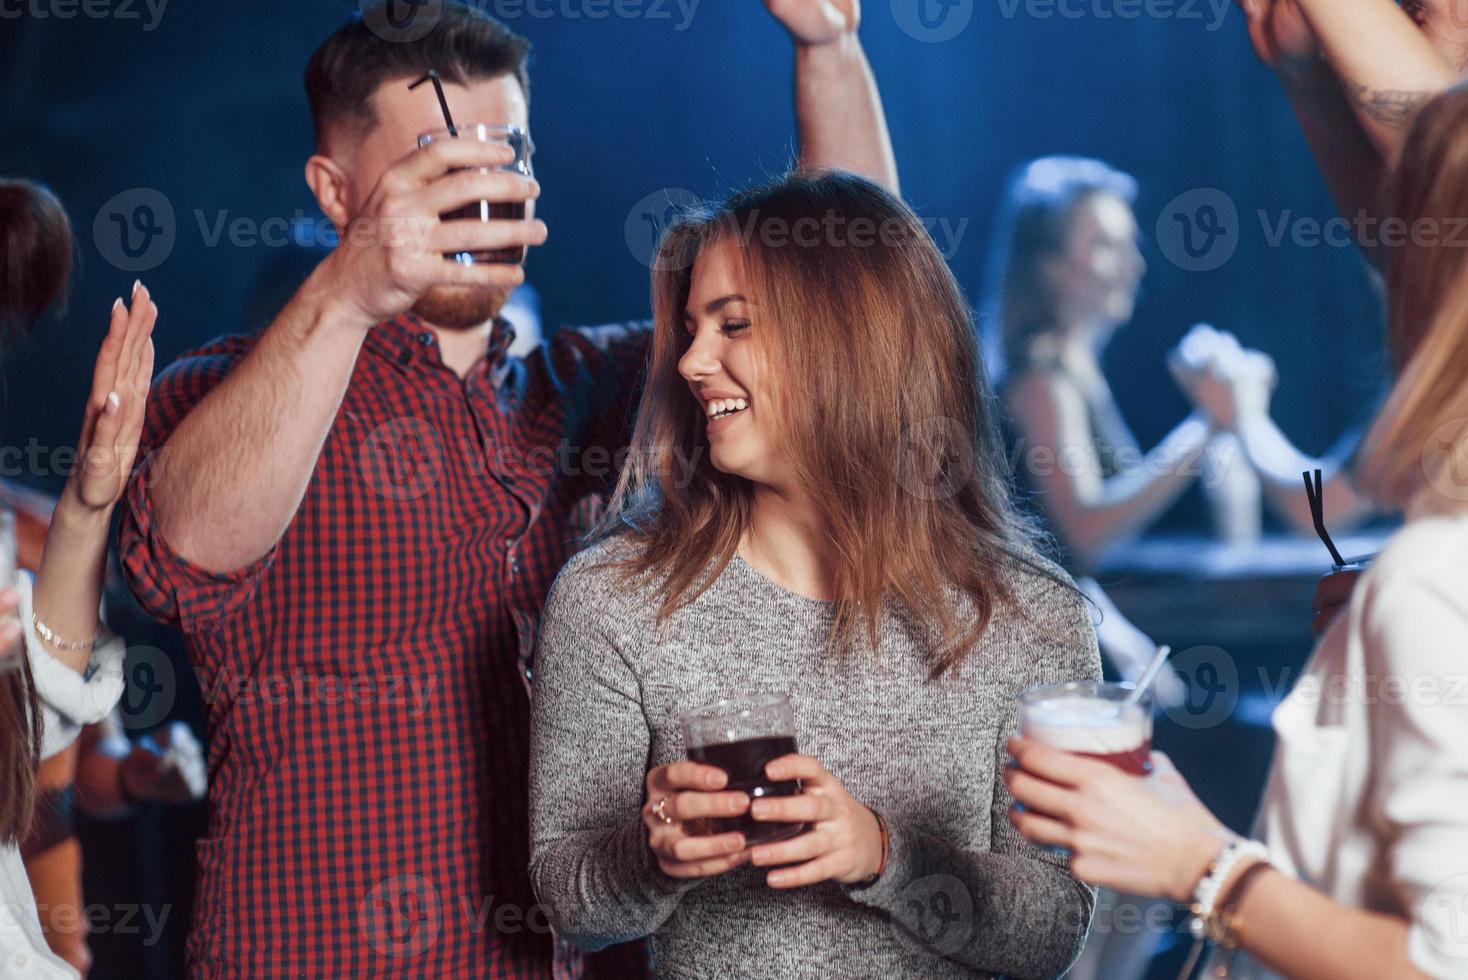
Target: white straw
1150 674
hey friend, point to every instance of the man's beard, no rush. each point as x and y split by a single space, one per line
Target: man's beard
460 307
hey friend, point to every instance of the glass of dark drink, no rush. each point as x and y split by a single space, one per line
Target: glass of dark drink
1094 718
519 141
741 736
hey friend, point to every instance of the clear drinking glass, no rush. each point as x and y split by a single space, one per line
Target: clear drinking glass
741 736
1091 718
519 141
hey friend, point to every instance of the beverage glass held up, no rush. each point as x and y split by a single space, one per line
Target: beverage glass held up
519 141
1099 719
741 736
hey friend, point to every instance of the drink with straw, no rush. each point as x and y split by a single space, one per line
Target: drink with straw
512 136
1106 721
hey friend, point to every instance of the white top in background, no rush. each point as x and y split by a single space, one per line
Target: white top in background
1368 797
69 702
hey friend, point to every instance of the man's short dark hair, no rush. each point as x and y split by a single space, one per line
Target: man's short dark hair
464 44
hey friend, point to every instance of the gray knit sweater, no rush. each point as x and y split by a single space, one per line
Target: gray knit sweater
963 894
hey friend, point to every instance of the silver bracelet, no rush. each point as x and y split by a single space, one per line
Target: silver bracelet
1205 895
49 635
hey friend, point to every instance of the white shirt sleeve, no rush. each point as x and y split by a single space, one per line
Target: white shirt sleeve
69 701
1415 632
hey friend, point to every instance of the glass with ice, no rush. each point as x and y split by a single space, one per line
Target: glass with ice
1099 719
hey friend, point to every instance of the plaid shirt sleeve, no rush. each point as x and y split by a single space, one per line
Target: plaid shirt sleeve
171 588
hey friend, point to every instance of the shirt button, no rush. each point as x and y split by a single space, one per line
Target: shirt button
426 338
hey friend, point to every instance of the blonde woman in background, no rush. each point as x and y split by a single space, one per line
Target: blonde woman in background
1361 871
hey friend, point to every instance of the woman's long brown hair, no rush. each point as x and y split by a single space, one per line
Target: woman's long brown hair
882 403
1420 438
35 270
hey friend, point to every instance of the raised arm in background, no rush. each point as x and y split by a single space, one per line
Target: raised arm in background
837 105
68 588
1355 71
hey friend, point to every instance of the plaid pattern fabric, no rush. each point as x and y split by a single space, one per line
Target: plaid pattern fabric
366 681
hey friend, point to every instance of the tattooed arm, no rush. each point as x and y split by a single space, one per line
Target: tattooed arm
1387 64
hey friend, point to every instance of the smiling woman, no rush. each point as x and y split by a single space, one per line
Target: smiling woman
844 538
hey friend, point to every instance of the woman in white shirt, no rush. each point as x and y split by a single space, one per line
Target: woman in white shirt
59 670
1362 870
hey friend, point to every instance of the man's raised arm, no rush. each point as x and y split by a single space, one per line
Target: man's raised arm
837 106
233 472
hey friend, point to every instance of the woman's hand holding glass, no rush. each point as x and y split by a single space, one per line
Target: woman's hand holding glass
1140 835
844 842
680 797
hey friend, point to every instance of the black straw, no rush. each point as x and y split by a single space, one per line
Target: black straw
443 103
1317 513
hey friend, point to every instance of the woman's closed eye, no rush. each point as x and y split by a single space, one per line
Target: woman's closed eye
734 327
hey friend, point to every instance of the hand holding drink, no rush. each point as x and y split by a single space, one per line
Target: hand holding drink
1092 718
394 251
1076 787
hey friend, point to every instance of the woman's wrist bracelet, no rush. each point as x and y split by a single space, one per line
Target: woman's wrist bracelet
49 635
1209 896
882 830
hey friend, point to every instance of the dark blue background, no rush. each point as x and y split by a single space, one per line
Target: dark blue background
208 108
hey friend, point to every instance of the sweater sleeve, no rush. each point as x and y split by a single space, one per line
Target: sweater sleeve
1014 909
590 864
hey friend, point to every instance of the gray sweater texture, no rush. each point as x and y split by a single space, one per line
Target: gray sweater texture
963 895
